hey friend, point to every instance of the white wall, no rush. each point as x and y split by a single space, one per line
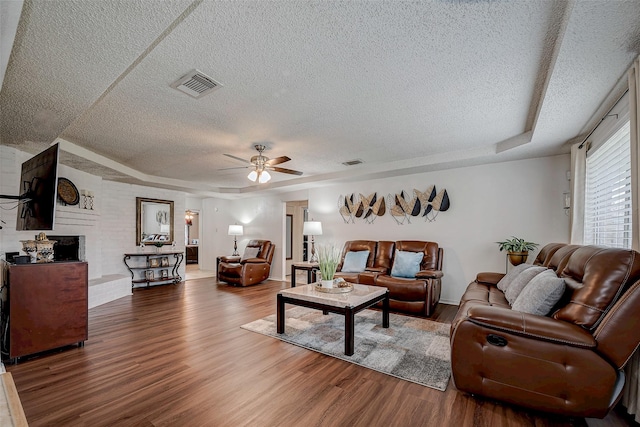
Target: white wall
110 228
69 220
488 203
119 222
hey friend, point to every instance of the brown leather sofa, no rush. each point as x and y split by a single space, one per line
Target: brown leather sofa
569 362
247 272
417 295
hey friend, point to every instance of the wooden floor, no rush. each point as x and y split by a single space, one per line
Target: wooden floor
175 355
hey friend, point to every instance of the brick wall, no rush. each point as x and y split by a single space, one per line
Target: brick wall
109 229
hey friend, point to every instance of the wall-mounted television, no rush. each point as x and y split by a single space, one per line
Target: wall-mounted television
38 191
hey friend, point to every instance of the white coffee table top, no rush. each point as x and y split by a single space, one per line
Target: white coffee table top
360 295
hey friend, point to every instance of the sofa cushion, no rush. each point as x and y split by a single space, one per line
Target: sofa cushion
540 294
406 264
521 280
355 262
504 283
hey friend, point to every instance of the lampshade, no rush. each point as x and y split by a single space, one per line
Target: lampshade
235 230
253 175
264 177
312 228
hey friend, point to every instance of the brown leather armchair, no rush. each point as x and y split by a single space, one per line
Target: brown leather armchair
421 294
250 271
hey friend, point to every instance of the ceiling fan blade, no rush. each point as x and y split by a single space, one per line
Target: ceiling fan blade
283 170
237 158
237 167
277 160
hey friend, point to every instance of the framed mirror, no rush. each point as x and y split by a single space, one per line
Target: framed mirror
154 221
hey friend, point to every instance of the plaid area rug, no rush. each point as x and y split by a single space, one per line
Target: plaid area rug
412 349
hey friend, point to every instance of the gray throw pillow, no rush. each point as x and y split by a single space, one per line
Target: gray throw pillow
518 284
250 253
541 294
504 283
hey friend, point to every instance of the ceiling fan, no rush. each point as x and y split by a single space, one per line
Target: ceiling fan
261 164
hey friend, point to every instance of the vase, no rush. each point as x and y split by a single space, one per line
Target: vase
326 283
517 258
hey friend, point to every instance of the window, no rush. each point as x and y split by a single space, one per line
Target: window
607 220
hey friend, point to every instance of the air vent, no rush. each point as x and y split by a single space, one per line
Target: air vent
196 84
352 162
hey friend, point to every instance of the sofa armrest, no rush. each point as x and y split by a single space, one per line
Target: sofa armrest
376 270
429 274
489 278
253 261
234 259
531 326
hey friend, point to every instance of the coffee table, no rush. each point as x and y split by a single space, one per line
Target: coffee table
346 304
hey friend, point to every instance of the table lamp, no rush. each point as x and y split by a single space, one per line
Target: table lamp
312 228
235 230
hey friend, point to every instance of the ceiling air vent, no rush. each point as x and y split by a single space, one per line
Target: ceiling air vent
352 162
196 84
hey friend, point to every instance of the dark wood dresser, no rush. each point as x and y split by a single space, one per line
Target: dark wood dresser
192 254
48 307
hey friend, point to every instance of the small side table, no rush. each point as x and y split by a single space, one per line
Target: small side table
309 267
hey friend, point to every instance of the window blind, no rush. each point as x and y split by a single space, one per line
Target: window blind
607 219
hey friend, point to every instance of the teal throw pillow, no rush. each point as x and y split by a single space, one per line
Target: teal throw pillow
406 264
355 262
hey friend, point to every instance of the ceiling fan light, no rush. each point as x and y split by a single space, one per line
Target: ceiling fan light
264 177
253 175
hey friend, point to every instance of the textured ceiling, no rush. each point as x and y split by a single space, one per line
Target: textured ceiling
403 86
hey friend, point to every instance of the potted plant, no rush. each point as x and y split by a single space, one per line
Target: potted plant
328 260
517 249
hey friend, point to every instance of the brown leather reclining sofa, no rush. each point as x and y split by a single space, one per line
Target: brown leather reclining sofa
569 362
417 295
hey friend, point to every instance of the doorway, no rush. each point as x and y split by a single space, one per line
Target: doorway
192 246
295 242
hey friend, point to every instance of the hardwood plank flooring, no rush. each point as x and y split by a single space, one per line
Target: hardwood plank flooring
175 355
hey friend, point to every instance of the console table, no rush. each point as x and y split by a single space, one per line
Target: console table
154 267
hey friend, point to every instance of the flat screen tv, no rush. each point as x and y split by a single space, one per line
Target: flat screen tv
38 186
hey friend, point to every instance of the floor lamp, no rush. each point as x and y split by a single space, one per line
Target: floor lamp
235 231
312 228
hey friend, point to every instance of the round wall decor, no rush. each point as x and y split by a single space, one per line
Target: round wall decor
67 192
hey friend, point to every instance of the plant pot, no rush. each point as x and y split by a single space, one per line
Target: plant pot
517 258
326 283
